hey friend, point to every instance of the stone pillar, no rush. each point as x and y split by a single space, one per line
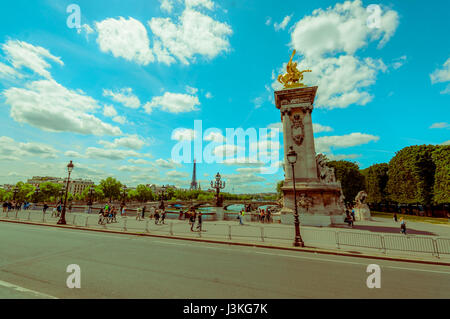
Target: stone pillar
320 199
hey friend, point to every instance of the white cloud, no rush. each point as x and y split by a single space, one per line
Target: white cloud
214 137
342 28
208 95
442 75
109 111
195 33
8 72
318 128
226 150
49 106
446 143
124 38
10 147
132 142
138 161
325 143
73 154
268 21
338 157
208 4
22 54
119 119
283 24
124 96
181 134
112 154
173 103
191 90
328 40
235 179
440 125
399 62
166 5
177 175
166 164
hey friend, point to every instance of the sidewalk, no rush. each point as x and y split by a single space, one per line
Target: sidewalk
361 240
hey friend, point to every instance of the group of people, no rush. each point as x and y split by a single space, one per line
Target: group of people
349 216
264 215
8 206
108 214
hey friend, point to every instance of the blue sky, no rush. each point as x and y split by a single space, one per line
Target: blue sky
110 94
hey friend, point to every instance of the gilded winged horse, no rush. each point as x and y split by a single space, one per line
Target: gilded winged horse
293 76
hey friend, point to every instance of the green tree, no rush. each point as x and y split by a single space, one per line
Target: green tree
49 191
280 184
352 181
111 188
25 191
411 175
376 178
441 189
143 193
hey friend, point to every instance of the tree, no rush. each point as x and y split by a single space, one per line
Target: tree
441 189
411 175
376 179
110 188
25 192
352 181
143 193
50 191
280 184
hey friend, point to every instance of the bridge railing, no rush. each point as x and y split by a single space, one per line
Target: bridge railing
252 233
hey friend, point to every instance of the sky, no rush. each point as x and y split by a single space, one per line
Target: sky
115 86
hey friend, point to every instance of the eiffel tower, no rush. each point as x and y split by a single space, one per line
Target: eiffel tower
194 179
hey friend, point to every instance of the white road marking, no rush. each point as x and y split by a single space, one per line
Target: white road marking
351 262
26 290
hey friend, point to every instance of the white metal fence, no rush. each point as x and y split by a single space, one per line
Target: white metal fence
312 236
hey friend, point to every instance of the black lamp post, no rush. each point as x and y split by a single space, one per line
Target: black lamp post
218 184
15 191
62 220
90 200
36 196
292 159
124 195
162 196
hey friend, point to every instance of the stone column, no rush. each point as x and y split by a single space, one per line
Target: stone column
296 106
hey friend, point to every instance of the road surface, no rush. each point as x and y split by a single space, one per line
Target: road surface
34 259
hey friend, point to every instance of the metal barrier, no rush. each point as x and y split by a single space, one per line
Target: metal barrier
312 236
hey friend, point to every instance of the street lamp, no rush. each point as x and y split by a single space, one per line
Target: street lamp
16 190
62 220
292 159
124 194
36 196
162 195
218 184
91 195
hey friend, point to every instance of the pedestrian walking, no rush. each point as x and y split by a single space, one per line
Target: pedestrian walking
402 226
54 212
353 213
180 217
395 217
138 213
143 212
114 213
262 215
5 206
156 216
192 219
100 216
241 216
44 208
199 224
163 216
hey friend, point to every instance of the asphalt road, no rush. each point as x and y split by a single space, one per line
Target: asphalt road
33 262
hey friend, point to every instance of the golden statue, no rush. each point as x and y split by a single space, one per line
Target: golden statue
293 76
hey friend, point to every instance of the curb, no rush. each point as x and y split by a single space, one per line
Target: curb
303 249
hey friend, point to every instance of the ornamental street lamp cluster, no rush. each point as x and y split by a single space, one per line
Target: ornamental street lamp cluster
292 159
218 184
62 220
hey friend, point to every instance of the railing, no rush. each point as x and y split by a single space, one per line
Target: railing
312 236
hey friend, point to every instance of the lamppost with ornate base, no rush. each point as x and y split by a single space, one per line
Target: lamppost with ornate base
162 193
292 159
218 184
62 219
36 196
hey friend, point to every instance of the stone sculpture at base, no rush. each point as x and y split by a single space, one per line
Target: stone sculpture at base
319 199
362 210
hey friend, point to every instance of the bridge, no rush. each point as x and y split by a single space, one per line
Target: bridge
226 203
